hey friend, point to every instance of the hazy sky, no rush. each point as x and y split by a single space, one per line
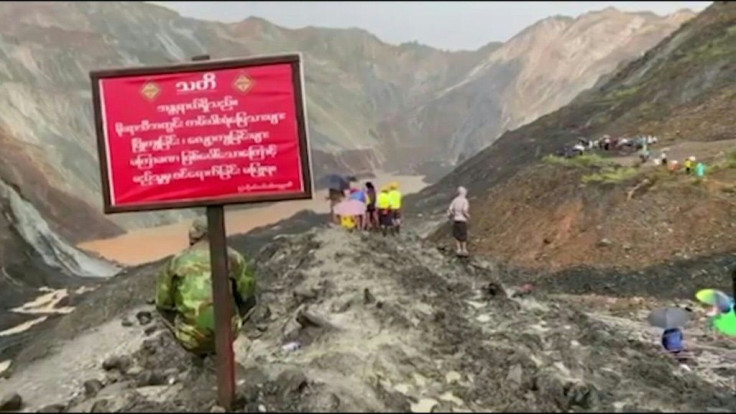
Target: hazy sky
447 25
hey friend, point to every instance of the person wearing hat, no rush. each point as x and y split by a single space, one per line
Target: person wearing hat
689 165
184 292
395 205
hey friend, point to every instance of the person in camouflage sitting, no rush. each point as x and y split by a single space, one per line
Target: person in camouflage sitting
184 292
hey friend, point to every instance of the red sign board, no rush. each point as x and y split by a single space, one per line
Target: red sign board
205 133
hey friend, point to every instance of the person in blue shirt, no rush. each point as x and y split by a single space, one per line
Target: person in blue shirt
358 194
674 342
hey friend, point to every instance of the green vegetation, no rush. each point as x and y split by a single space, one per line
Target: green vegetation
622 93
611 175
727 164
730 160
584 161
603 171
715 47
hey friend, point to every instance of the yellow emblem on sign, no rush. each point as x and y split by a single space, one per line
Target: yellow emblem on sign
243 83
150 91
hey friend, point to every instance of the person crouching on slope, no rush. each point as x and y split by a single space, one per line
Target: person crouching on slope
184 292
395 205
459 214
383 204
673 342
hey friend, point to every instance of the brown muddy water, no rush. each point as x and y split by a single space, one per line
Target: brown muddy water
149 244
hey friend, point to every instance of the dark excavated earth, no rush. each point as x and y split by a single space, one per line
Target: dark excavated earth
382 324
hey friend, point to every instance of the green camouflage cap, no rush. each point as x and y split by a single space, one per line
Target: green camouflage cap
198 230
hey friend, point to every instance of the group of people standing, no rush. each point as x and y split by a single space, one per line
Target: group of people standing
363 208
606 143
691 167
380 210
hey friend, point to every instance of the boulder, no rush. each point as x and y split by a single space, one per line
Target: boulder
11 402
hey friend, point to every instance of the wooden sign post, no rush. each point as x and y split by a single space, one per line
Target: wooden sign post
204 134
221 295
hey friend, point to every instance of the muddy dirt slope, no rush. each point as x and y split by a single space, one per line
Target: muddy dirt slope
559 215
381 325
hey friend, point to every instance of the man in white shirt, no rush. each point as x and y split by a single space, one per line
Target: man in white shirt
458 213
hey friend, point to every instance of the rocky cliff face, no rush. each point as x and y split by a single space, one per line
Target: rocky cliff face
35 259
368 101
39 226
539 70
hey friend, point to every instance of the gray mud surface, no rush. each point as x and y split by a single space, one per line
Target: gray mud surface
383 324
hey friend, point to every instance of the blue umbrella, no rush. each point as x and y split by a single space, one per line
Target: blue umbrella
337 181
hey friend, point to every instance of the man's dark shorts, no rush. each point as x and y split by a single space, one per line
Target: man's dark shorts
384 218
460 231
396 214
336 195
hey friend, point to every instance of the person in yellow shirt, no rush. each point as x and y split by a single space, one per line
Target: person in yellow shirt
395 205
383 205
348 222
689 165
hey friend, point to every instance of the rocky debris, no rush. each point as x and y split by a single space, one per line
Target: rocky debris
148 378
291 382
118 363
515 375
310 319
368 297
493 290
452 377
445 334
125 322
92 387
304 294
151 329
144 317
5 368
425 405
53 408
11 402
604 243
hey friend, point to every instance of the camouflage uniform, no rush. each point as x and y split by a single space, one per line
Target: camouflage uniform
184 287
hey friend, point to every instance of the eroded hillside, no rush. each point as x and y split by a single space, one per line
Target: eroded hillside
357 86
681 91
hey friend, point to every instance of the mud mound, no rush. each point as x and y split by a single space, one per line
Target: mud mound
350 322
600 224
427 331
